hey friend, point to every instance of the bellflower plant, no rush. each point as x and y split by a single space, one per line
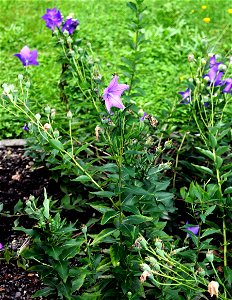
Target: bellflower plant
113 93
53 18
70 25
28 57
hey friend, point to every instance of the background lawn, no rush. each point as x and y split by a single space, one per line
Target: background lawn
174 30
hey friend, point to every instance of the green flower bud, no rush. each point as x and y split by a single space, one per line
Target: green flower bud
158 244
38 117
210 256
84 229
27 84
47 110
20 77
69 115
56 133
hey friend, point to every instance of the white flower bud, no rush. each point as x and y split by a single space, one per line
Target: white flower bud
46 126
20 77
203 61
191 57
213 288
206 78
69 115
210 54
27 84
38 117
222 67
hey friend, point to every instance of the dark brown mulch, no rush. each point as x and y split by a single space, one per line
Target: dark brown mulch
19 178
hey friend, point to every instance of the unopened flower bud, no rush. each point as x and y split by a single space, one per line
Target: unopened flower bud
221 67
213 288
66 33
203 61
56 133
158 244
70 40
191 57
47 110
28 84
198 81
145 267
47 126
168 144
69 115
217 56
38 117
210 256
206 78
210 54
160 252
84 229
190 79
144 276
20 77
201 272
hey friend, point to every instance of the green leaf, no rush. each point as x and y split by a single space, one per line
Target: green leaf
102 235
132 6
77 283
228 190
54 252
82 148
44 292
104 194
218 162
62 267
100 207
56 144
203 169
228 274
107 216
209 231
222 149
136 219
115 254
207 153
82 178
210 210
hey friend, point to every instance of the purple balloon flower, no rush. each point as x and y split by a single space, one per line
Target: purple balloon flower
193 229
143 117
1 246
113 93
214 74
25 127
28 57
228 85
53 18
186 96
70 25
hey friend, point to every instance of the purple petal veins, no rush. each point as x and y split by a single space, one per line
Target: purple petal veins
27 57
53 18
113 93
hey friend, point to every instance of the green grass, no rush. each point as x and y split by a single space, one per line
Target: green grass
174 29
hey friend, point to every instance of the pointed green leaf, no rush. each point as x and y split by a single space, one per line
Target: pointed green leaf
136 219
203 169
107 216
102 235
56 144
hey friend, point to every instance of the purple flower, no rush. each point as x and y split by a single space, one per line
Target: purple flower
186 96
214 74
193 229
113 93
70 25
52 18
28 57
228 85
143 117
25 127
1 246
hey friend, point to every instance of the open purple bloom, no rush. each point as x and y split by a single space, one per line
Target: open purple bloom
228 85
214 74
25 127
52 18
113 93
186 96
1 246
143 117
28 57
70 25
193 229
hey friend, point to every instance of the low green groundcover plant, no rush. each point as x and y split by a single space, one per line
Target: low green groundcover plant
127 176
